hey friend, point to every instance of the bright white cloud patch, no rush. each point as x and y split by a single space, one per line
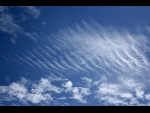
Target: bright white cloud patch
37 98
68 85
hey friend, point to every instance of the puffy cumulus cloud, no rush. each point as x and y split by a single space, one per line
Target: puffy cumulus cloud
67 84
25 91
78 93
42 91
45 85
38 97
17 90
127 92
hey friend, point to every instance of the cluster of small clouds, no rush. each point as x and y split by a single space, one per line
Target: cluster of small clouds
127 92
78 92
41 91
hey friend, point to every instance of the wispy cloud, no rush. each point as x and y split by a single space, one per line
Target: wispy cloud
8 25
33 36
24 61
44 23
13 40
3 8
34 11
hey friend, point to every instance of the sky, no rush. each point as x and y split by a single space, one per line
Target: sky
74 55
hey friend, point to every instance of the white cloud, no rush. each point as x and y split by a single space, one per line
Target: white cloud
25 91
68 84
8 25
62 98
126 95
113 100
33 36
44 23
13 40
45 85
139 92
3 89
87 81
3 8
32 10
128 92
79 97
37 98
17 90
147 96
79 93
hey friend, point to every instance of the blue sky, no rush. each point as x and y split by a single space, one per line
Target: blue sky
74 55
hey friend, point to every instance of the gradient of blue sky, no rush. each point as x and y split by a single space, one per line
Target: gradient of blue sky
74 55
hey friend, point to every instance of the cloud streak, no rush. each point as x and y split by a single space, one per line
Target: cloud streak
32 10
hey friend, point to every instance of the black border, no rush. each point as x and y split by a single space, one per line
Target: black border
74 3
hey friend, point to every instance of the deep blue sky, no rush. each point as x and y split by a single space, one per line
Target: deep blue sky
74 55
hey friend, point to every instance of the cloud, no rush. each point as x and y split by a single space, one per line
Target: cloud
67 84
8 25
87 81
78 93
13 40
44 23
17 90
33 36
45 85
127 93
37 98
32 10
3 8
25 91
